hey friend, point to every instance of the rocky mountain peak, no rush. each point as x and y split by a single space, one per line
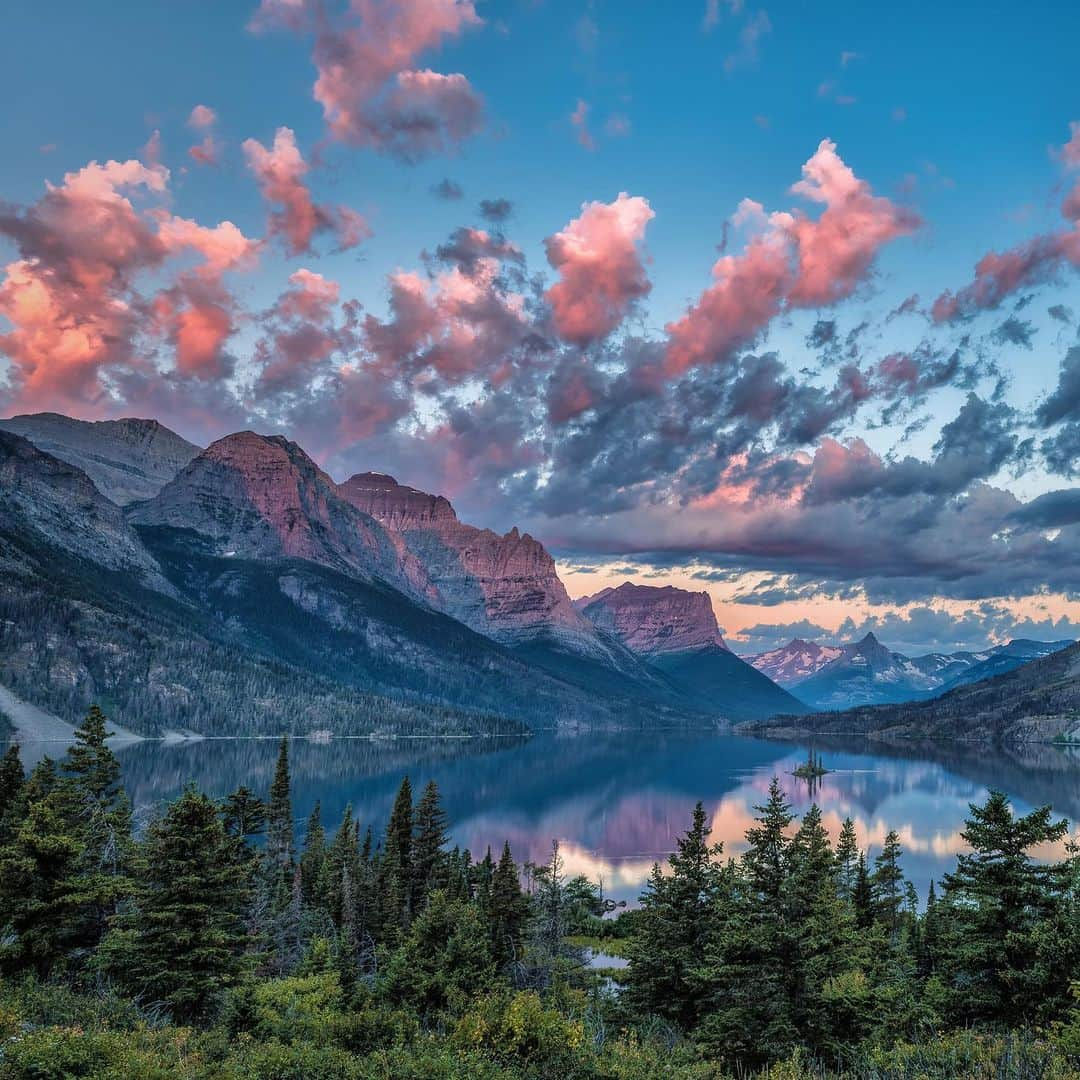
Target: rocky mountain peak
506 587
261 496
395 505
650 620
128 460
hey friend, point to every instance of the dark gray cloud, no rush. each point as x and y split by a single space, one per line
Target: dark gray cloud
496 210
1013 331
447 189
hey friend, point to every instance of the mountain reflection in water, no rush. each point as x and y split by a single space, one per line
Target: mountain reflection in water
616 802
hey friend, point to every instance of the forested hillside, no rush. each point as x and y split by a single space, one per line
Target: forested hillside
219 940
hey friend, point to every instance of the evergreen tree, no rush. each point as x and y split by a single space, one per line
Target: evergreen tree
183 939
671 935
847 859
887 884
279 816
313 857
750 961
12 792
429 859
397 863
1005 963
862 896
507 910
243 814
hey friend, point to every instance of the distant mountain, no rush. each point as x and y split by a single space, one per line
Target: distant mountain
127 460
795 661
868 673
1003 658
504 587
1038 700
675 631
247 597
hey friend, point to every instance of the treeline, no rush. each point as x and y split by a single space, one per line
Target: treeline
214 944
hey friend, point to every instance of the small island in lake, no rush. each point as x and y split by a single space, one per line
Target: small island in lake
811 768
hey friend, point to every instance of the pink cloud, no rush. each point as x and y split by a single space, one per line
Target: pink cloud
202 116
68 296
207 152
599 262
280 171
792 260
223 246
579 118
835 252
998 275
368 86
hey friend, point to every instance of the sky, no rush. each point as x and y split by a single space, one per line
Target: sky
775 301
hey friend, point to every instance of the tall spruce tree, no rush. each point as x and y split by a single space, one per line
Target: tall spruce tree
279 815
887 884
677 910
12 792
507 911
1004 959
397 863
847 859
429 858
182 941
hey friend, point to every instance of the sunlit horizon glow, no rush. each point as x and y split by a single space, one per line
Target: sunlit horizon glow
713 297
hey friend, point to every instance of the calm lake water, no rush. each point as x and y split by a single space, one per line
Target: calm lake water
616 802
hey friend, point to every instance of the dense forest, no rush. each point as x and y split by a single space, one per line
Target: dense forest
212 943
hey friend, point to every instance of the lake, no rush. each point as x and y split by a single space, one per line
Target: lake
616 802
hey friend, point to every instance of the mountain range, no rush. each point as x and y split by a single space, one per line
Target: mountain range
238 588
865 672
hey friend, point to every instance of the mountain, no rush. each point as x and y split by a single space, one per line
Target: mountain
795 661
675 631
505 587
1036 701
1003 658
56 504
867 673
650 620
127 460
261 497
248 597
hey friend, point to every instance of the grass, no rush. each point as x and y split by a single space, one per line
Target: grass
610 946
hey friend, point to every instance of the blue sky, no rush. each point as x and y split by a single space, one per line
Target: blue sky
955 114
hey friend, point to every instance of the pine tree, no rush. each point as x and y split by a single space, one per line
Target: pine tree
862 896
429 859
279 816
750 960
1004 908
12 793
887 884
847 859
397 863
243 814
313 857
183 939
507 910
676 913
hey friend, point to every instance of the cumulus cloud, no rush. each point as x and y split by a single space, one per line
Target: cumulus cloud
791 261
600 266
998 275
370 90
280 172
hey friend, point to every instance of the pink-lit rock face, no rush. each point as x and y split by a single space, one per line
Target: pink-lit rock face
262 497
503 586
650 621
795 661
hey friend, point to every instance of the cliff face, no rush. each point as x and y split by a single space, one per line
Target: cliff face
262 497
650 621
503 586
795 661
56 505
128 460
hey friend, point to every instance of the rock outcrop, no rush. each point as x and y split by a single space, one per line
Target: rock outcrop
55 505
128 460
505 587
261 497
650 620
